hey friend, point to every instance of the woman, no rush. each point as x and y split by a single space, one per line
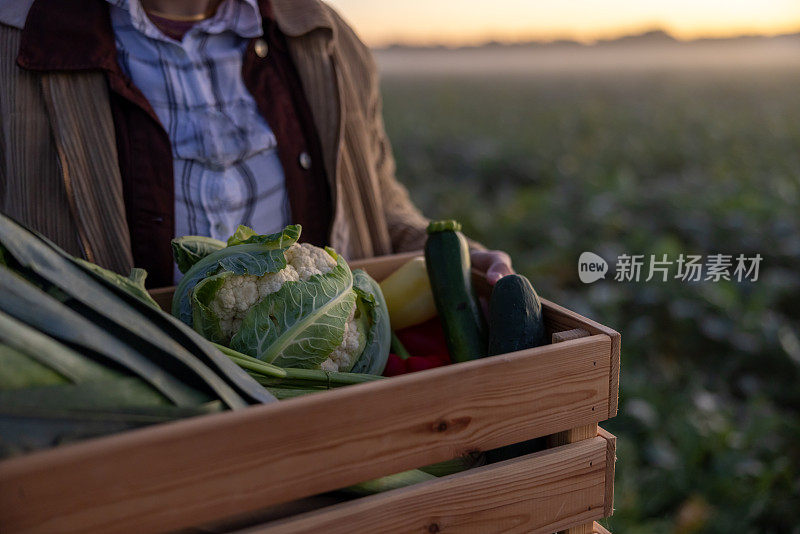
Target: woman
128 122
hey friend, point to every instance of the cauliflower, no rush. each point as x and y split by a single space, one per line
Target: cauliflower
309 260
342 356
331 317
239 293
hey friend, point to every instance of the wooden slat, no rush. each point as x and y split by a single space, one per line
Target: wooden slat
270 513
566 335
586 528
537 493
575 435
163 297
587 432
572 435
611 461
377 505
202 469
558 318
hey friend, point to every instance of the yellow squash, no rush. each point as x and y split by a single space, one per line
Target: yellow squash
408 295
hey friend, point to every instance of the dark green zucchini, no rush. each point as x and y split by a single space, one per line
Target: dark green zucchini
515 323
515 316
448 264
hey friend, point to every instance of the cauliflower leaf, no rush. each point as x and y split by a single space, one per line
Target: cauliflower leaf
190 249
301 323
251 257
372 316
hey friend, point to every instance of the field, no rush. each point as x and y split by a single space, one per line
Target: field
648 161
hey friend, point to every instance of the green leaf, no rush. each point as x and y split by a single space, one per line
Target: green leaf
204 320
455 465
241 235
133 284
300 324
314 378
200 347
137 276
50 353
362 324
249 258
128 392
190 249
39 310
25 429
279 240
18 371
373 321
389 482
290 393
137 325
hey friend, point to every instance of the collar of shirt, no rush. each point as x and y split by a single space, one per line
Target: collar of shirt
239 16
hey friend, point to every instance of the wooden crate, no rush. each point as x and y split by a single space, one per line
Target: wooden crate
265 463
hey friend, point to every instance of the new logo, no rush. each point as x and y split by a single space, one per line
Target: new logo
591 267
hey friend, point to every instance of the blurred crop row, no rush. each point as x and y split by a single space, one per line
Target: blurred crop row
645 163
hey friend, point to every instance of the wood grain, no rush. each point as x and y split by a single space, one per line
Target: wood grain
611 461
537 493
199 470
566 335
574 435
557 318
599 529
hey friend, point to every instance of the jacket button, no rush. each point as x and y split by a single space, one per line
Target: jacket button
305 160
261 48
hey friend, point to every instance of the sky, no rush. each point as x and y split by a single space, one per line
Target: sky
460 22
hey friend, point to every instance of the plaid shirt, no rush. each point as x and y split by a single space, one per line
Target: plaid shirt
227 170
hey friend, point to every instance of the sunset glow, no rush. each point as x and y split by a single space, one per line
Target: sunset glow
457 22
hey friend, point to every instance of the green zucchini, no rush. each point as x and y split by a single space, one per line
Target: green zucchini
515 323
448 264
515 316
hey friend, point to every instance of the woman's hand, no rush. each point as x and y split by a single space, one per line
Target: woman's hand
495 263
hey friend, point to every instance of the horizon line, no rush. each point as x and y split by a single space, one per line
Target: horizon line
653 31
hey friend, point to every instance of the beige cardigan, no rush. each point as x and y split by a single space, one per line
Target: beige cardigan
58 162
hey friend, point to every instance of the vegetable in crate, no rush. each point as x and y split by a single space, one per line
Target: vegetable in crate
408 294
85 352
515 323
515 316
286 303
417 348
190 249
449 270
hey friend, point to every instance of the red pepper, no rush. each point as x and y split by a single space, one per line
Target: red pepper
426 338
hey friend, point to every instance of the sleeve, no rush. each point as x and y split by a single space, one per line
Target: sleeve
405 221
